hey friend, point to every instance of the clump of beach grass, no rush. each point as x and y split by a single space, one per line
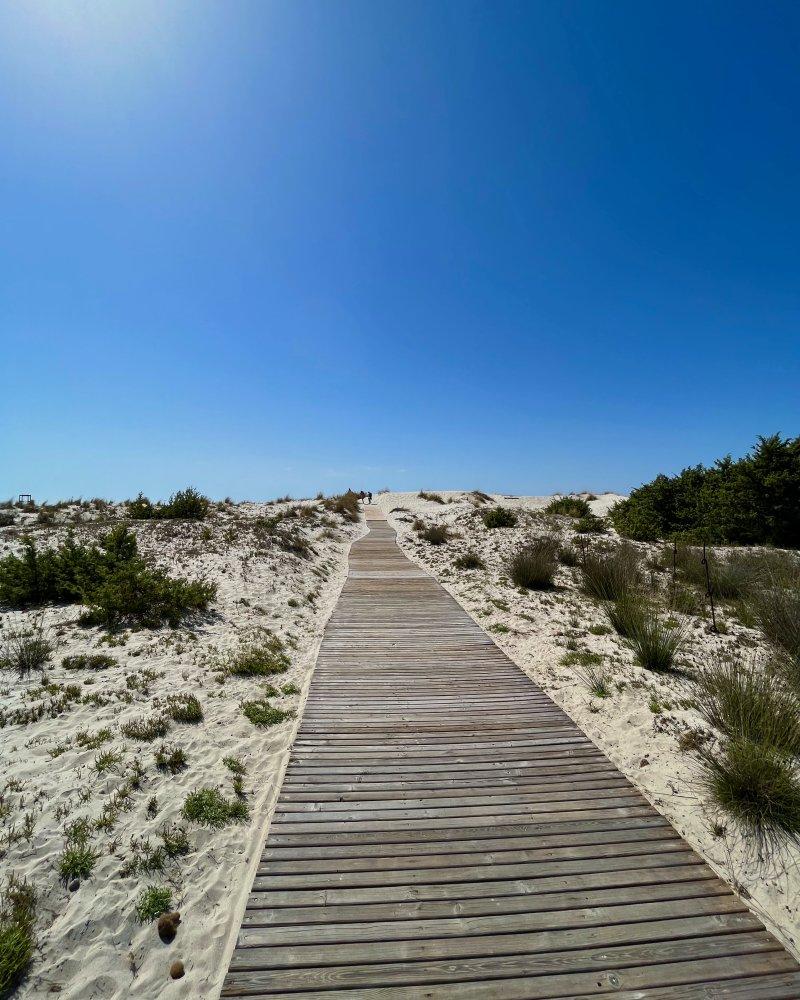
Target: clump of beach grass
533 566
259 659
608 576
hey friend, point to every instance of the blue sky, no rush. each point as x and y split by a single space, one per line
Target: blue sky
280 247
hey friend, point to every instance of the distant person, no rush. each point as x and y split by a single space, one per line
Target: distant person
369 498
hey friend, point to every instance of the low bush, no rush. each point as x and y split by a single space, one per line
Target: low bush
470 560
747 701
152 902
758 787
433 497
533 567
209 807
259 659
261 713
569 506
611 575
117 584
499 517
435 534
78 858
185 505
17 932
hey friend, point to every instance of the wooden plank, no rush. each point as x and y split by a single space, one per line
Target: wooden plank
445 831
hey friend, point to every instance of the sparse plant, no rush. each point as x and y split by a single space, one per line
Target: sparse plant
533 566
17 932
145 728
259 659
626 614
209 807
170 757
78 858
776 609
597 681
152 902
435 534
261 713
184 708
234 765
433 497
568 555
26 649
88 661
470 560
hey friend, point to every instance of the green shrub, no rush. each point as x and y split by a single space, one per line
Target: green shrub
186 505
435 534
755 500
136 594
747 702
261 713
499 517
111 578
152 902
758 787
470 560
533 566
209 807
259 659
610 576
184 708
88 661
591 525
433 497
17 932
655 645
569 506
234 765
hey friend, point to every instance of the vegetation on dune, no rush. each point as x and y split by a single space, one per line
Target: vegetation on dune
755 500
499 517
209 807
533 566
185 505
433 497
17 932
345 505
259 659
152 902
117 584
435 534
569 506
26 649
609 576
470 560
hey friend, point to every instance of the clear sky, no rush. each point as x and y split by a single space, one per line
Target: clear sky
280 247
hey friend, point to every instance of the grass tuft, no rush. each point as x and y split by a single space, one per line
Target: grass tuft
259 659
184 708
152 902
261 713
499 517
608 576
470 560
209 807
533 566
17 932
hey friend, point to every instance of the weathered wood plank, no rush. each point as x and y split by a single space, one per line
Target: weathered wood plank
445 831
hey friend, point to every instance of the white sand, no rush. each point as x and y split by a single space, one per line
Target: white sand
641 742
91 944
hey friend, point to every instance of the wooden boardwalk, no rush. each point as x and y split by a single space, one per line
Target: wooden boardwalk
445 831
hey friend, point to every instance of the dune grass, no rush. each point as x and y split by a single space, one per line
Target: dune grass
533 566
609 576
